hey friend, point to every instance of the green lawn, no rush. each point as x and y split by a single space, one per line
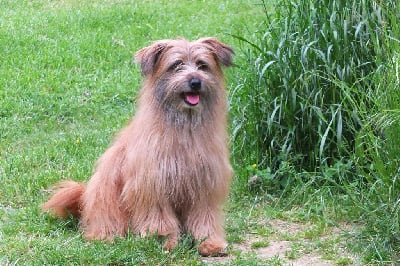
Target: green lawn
68 84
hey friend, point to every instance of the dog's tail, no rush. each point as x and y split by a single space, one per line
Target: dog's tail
66 199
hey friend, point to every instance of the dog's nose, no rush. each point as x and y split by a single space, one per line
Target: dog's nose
195 84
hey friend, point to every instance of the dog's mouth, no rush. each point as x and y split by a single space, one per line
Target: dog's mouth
191 98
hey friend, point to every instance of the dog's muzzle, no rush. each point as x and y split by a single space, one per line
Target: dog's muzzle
192 97
195 84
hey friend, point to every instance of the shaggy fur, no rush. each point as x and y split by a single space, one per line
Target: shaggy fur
168 171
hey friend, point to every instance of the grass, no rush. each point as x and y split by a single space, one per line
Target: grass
67 85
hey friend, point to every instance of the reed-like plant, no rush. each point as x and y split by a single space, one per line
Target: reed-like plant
314 66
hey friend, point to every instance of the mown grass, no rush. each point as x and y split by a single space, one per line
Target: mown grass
67 85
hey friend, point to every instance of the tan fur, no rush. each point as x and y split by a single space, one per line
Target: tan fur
168 171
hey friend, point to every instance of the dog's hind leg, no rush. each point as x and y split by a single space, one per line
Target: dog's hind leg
104 216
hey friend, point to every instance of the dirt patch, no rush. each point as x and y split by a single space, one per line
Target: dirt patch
275 248
297 251
285 227
309 259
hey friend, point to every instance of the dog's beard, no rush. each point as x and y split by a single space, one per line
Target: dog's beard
181 106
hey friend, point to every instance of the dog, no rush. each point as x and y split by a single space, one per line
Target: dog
168 171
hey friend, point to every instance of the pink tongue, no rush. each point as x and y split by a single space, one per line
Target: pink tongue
192 98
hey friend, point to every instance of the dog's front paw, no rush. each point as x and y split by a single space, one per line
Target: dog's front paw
213 248
104 236
98 237
171 242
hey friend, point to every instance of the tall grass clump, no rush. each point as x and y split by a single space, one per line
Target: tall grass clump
378 163
314 63
317 114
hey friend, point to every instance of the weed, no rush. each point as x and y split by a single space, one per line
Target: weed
260 244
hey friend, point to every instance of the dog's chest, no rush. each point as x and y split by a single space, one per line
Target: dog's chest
186 171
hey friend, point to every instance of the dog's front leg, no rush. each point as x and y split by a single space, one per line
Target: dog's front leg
205 223
158 219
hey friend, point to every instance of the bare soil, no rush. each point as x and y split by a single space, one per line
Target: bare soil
293 247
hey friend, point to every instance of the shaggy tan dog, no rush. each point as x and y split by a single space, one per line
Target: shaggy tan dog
168 171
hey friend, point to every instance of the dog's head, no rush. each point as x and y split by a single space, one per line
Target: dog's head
183 75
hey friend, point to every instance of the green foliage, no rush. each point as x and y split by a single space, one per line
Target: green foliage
318 115
314 65
378 164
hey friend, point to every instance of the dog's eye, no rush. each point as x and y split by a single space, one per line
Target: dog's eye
177 65
201 65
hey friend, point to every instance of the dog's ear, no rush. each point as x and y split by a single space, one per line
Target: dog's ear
149 56
222 51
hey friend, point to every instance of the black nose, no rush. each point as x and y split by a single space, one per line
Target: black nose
195 84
